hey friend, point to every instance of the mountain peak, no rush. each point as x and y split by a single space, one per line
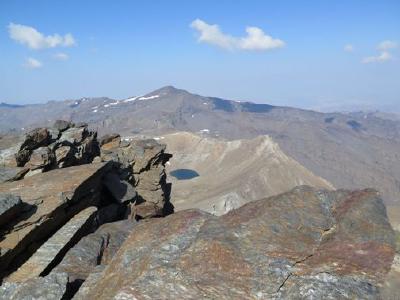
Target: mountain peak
167 90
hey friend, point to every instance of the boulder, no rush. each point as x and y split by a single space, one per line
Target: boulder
62 125
64 156
8 156
73 136
110 141
50 200
303 244
56 246
10 207
41 158
36 138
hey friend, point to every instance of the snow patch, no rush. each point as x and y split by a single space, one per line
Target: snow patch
131 99
157 138
95 111
149 98
205 130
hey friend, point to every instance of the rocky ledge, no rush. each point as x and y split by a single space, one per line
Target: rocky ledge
103 227
69 184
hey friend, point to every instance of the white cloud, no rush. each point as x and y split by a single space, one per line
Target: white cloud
61 56
384 56
348 48
33 63
34 39
255 39
386 45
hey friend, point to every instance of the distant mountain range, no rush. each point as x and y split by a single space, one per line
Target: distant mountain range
349 150
6 105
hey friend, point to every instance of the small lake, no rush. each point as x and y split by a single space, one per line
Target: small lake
184 174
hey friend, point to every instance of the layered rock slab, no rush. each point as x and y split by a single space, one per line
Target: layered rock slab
42 259
50 200
302 244
88 258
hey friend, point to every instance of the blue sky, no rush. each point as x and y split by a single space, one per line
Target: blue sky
316 54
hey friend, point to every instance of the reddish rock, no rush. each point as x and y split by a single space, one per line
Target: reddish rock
297 245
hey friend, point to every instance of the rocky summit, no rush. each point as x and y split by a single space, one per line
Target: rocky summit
83 217
304 244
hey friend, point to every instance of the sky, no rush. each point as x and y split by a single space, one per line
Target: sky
323 55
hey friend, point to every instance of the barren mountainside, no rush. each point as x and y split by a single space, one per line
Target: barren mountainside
231 173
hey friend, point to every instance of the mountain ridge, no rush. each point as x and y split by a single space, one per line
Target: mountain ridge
349 150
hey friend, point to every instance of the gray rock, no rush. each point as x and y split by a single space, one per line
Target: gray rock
41 158
52 287
74 135
10 206
142 163
11 174
62 125
59 243
121 190
94 251
65 156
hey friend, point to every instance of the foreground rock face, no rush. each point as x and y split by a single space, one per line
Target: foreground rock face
52 237
55 246
304 244
50 200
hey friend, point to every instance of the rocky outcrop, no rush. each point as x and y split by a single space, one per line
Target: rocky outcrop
141 163
50 200
304 244
49 222
63 145
56 246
